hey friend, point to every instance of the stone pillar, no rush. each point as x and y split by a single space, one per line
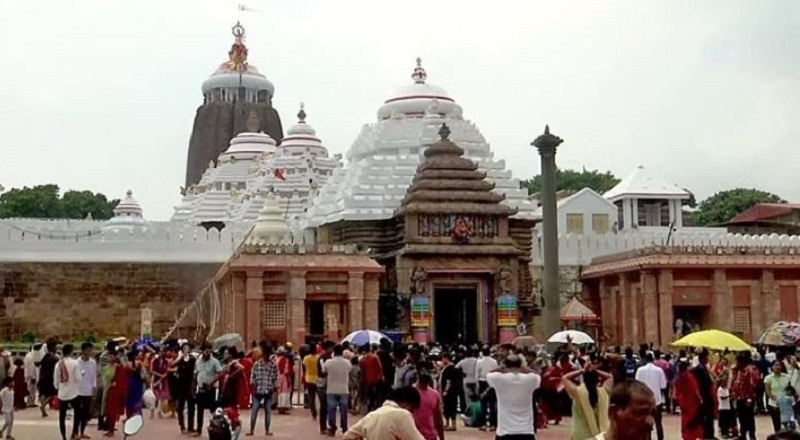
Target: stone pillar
371 296
770 305
721 302
756 310
679 213
254 294
547 144
296 307
666 331
239 294
355 302
651 306
626 327
607 310
634 212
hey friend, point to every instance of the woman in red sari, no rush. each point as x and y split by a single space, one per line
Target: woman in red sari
244 395
687 394
233 383
114 395
551 387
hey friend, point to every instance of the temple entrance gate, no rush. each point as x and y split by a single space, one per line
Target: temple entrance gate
455 314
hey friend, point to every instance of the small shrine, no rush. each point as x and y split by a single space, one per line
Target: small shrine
276 288
578 316
459 265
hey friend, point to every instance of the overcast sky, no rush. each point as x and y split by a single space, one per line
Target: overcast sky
102 94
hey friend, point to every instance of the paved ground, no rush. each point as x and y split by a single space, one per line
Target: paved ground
298 425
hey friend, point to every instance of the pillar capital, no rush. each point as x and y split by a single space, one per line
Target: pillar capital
547 143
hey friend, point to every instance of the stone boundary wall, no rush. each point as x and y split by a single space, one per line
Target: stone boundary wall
579 250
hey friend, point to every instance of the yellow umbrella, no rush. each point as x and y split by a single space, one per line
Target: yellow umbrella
712 340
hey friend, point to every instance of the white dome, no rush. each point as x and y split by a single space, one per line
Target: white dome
302 135
222 79
128 215
247 142
418 99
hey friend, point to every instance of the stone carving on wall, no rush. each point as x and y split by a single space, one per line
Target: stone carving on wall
418 277
460 227
504 280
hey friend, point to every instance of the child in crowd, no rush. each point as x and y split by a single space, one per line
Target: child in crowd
473 416
354 385
786 407
726 414
7 400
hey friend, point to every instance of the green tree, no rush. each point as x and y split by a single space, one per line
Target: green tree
571 180
44 201
725 205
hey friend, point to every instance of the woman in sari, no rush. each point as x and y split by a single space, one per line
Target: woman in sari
687 394
285 372
113 401
159 371
232 379
589 401
244 395
135 373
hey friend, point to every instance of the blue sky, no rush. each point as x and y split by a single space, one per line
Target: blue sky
101 95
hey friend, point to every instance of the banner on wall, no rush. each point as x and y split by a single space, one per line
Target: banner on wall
420 311
507 311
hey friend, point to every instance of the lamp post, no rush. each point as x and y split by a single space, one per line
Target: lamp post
547 145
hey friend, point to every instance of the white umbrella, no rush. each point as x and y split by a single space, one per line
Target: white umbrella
574 336
361 337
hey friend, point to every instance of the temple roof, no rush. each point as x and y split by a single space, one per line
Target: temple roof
642 183
383 160
237 72
447 182
128 214
418 98
577 311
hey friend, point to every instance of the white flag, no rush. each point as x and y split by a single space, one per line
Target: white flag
246 8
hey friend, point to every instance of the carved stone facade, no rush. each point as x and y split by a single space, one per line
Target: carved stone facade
288 295
642 295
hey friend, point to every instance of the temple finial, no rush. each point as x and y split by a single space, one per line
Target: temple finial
238 30
301 115
419 75
547 129
444 132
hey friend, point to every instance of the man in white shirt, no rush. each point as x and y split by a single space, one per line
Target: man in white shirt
483 366
514 387
87 387
67 379
337 372
31 372
653 376
468 366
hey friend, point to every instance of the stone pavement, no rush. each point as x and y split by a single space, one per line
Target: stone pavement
298 425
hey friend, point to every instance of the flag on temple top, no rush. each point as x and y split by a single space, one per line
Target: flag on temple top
246 8
279 174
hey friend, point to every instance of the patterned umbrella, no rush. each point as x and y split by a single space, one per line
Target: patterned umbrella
781 334
361 337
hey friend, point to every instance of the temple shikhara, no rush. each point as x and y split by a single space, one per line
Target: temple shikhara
418 230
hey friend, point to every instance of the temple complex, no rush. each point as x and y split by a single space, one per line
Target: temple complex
232 96
422 233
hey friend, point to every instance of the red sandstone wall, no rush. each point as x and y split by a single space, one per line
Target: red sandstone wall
73 300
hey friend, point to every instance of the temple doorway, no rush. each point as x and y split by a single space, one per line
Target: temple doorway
455 311
689 319
315 317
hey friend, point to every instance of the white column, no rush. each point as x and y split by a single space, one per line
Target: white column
635 211
678 209
626 214
671 204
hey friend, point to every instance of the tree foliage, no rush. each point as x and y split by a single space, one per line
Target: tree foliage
571 180
45 201
725 205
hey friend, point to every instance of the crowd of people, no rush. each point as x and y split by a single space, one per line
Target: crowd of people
405 391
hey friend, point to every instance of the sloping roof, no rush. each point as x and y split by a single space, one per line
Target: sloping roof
764 211
643 183
577 311
584 191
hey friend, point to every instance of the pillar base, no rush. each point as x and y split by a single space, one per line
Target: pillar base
420 335
506 335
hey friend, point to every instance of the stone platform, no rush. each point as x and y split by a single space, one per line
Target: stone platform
298 425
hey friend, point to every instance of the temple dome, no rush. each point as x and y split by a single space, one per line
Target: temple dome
270 227
301 135
236 73
250 143
419 98
128 214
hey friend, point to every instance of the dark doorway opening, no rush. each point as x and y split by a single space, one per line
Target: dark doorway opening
455 310
315 311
